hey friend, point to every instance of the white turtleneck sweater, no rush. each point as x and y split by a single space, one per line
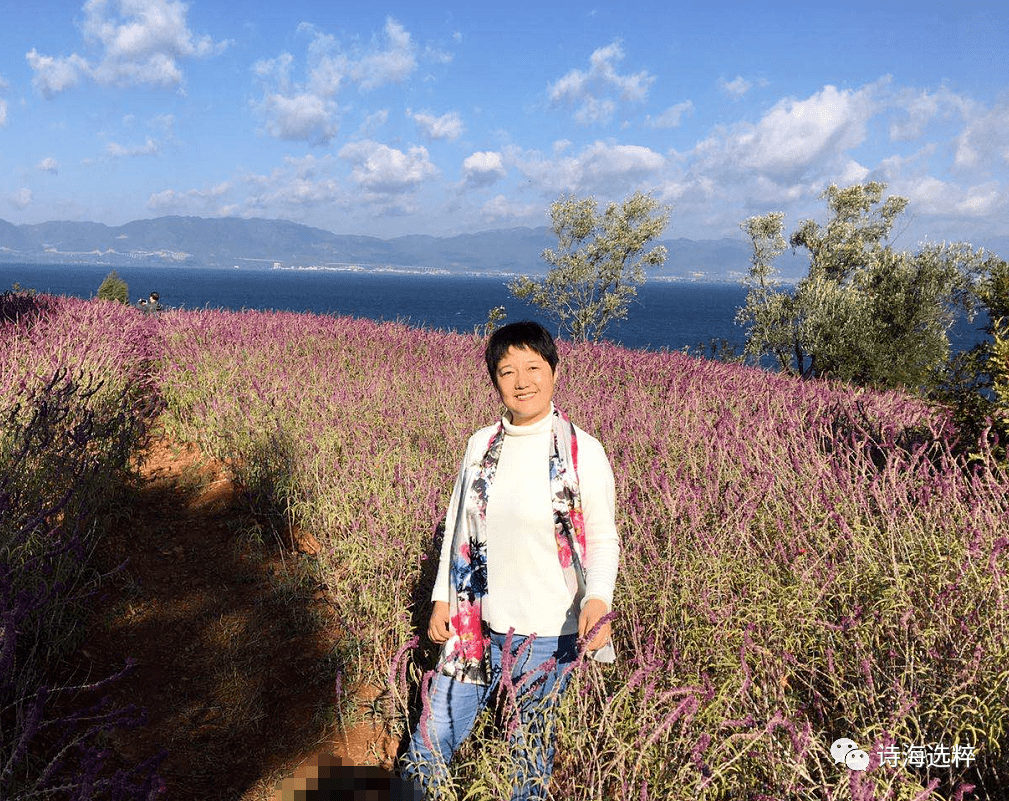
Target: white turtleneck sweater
526 589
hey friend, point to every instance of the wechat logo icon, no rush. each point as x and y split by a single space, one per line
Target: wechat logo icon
847 751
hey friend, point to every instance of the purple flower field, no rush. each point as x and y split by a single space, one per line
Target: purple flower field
801 561
76 384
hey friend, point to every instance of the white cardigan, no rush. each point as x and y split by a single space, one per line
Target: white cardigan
526 589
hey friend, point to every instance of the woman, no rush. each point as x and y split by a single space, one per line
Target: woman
530 548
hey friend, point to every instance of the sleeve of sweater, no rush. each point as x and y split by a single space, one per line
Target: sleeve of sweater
596 485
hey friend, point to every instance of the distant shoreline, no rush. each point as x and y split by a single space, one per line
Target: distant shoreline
358 269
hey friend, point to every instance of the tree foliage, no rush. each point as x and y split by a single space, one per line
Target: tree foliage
865 312
114 288
599 262
999 366
995 296
975 383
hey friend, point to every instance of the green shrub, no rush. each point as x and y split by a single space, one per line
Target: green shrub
114 288
999 366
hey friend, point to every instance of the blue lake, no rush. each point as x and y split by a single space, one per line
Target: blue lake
669 315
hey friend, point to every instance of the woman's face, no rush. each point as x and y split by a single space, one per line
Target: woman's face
525 383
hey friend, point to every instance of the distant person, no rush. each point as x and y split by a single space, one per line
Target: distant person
152 304
530 547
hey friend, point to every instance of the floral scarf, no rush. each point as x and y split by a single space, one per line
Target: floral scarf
466 654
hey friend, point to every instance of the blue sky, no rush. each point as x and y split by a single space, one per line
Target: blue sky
440 118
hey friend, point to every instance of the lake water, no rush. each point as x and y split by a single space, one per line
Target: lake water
665 314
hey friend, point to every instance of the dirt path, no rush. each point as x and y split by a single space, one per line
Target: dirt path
233 638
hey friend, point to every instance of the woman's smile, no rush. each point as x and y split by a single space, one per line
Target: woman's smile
525 382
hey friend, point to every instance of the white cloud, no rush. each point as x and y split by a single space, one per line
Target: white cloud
794 138
781 160
594 92
483 168
982 200
853 173
306 192
925 193
447 126
390 62
162 201
391 58
142 28
302 111
292 190
436 55
3 103
22 199
670 191
607 161
800 132
135 42
309 165
149 148
278 69
54 75
49 164
386 170
372 123
672 116
164 122
736 88
500 209
299 112
918 109
983 142
163 127
307 110
300 183
930 195
192 201
327 66
892 169
300 117
599 167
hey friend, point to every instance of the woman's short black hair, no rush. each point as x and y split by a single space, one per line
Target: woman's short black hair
523 334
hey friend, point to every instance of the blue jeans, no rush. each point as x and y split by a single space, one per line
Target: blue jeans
454 707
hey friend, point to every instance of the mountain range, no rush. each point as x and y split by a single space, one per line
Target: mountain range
232 241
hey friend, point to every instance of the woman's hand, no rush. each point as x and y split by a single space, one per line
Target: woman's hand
594 609
437 627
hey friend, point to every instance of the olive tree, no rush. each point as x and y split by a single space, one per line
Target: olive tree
975 383
994 295
864 312
599 262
